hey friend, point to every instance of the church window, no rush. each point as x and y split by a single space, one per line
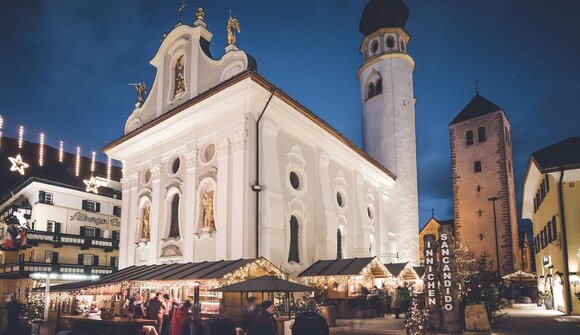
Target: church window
371 92
147 176
370 212
174 217
338 244
294 255
339 199
209 152
481 237
175 165
403 46
294 180
478 188
554 228
390 42
479 212
379 87
481 134
469 137
374 46
477 166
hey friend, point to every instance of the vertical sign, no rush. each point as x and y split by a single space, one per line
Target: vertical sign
431 280
448 274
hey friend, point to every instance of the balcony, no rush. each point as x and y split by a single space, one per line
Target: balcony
58 240
24 269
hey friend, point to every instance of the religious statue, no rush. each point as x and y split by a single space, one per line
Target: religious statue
200 13
179 77
141 91
145 229
208 214
233 26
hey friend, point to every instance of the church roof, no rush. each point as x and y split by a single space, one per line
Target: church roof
383 14
250 73
478 106
562 155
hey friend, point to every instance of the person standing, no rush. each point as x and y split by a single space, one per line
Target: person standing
180 319
137 308
249 316
265 323
13 319
222 325
155 309
405 298
310 322
167 304
396 303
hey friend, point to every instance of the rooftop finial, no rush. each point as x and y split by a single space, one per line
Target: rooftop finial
432 213
182 5
233 26
476 86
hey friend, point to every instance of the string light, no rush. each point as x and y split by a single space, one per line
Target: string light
108 168
20 136
60 151
41 150
1 126
93 156
78 162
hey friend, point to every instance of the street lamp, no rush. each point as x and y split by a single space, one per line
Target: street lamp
493 200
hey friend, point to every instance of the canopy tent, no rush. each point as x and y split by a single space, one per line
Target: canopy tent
265 284
521 277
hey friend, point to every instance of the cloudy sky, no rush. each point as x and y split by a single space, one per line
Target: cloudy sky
65 67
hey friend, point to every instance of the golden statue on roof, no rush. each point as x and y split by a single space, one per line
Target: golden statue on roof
233 26
200 13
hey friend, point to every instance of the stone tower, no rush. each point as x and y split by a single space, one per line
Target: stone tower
388 119
483 183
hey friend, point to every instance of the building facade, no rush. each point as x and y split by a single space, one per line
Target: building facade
484 197
551 199
51 226
431 227
221 164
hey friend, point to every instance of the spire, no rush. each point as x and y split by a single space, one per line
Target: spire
182 6
476 82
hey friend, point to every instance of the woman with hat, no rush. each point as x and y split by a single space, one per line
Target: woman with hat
265 323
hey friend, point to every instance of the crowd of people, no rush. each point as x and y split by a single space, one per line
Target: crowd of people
377 302
171 317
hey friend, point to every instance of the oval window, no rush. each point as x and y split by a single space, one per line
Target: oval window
294 180
370 212
390 42
339 199
175 165
147 176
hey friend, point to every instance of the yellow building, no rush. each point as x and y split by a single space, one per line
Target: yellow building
431 227
551 199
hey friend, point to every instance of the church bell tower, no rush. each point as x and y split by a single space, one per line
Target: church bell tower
388 119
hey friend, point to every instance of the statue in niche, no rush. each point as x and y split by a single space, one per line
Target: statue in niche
145 230
208 214
179 77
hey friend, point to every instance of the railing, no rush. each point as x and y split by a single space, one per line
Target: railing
85 242
35 267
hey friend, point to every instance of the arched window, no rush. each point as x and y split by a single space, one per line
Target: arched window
174 218
294 255
371 92
338 244
481 134
379 87
469 137
390 42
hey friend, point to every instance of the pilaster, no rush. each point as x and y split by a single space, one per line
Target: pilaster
156 219
221 207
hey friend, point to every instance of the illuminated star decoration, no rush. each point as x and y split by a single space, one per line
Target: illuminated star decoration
18 164
91 185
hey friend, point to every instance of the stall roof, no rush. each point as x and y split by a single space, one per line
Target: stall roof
175 271
403 269
343 267
265 284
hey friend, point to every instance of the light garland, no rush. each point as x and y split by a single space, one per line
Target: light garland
60 151
108 168
1 126
41 150
417 319
78 162
93 156
20 136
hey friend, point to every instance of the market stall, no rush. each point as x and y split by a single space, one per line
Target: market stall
346 284
404 275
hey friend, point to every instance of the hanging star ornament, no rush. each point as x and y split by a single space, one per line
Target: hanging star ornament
18 164
91 185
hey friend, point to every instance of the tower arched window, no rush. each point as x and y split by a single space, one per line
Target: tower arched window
469 137
390 42
403 47
174 218
293 254
338 244
379 86
371 91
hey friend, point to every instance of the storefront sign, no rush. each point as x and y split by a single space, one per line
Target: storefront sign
450 317
83 217
431 280
446 277
547 261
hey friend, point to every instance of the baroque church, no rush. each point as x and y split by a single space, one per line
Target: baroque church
220 164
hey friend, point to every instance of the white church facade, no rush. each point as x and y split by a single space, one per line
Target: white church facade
220 164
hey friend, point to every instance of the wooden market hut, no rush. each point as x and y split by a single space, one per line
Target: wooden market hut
404 273
181 280
341 280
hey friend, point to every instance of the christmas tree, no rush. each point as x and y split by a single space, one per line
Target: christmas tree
417 319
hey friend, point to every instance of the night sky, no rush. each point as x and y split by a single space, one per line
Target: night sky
65 67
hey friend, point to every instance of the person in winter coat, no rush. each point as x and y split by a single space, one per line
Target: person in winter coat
310 322
180 319
397 302
249 316
265 323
